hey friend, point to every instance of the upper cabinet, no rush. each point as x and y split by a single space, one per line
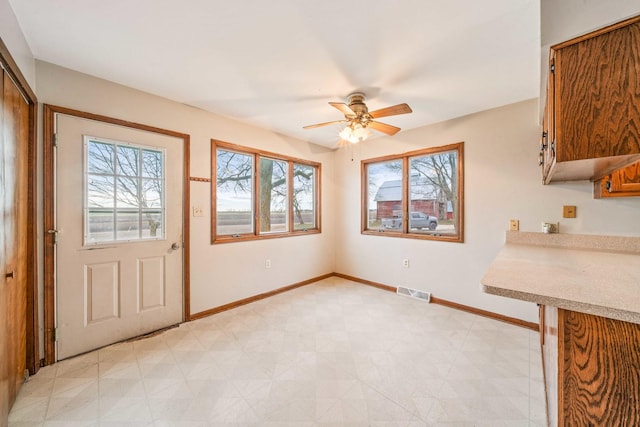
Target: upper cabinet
591 125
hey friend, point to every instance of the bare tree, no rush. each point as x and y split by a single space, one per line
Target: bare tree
126 177
440 171
235 173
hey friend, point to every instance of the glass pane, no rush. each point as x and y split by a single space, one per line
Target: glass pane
128 159
100 191
234 193
100 157
127 225
152 164
434 194
113 182
273 196
99 226
152 225
151 196
304 200
384 199
127 192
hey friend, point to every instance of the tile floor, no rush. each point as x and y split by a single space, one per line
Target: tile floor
334 353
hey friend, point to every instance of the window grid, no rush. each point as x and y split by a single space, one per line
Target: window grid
136 192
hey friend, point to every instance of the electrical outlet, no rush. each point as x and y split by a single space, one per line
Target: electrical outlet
197 211
514 225
405 263
267 263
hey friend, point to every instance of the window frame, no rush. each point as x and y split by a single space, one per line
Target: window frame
405 159
256 234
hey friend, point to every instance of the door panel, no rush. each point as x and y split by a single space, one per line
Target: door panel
151 283
102 287
119 276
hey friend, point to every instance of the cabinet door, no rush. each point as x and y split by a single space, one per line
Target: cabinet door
624 182
597 94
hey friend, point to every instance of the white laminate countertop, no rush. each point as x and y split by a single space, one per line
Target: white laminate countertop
598 275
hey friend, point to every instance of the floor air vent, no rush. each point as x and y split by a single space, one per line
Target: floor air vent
414 293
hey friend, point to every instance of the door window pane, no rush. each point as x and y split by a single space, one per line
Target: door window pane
102 157
101 191
152 164
100 226
151 194
234 192
127 192
128 160
124 192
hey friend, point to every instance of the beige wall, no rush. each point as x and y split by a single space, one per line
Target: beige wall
502 181
12 37
221 273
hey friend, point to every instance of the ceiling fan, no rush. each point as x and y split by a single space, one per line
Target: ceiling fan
360 119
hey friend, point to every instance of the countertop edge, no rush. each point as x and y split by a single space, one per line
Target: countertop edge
595 310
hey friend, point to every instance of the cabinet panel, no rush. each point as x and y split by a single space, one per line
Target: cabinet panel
600 372
595 103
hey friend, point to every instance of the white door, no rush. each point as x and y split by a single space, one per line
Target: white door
119 233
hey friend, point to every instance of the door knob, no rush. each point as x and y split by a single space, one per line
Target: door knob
175 246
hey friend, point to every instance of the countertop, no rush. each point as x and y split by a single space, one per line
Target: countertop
598 275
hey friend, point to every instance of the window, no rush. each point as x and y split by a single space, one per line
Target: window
416 195
124 192
256 194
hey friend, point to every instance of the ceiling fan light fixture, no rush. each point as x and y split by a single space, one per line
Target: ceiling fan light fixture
355 132
359 119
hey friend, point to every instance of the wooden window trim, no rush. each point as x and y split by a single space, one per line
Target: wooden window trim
404 157
257 154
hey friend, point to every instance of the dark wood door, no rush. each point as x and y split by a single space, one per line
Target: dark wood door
14 207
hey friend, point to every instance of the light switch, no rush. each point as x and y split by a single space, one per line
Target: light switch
569 212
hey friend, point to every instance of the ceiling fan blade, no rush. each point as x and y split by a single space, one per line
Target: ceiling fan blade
344 108
322 124
384 128
391 111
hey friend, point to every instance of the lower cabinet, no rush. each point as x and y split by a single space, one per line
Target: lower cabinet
591 368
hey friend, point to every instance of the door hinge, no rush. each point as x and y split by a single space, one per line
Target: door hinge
55 235
55 334
552 68
55 140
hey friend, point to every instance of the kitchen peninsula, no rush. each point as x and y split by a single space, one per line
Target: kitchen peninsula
588 289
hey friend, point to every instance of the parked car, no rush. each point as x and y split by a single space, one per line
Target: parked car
417 220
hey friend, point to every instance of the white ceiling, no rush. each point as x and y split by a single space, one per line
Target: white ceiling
275 64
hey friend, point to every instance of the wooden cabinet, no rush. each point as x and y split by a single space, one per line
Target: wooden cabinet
592 117
624 182
591 369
